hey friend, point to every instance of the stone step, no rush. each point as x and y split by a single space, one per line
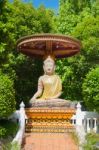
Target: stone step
49 141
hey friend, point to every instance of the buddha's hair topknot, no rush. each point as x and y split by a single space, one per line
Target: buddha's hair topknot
49 59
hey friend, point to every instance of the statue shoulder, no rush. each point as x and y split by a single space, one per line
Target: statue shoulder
41 78
56 75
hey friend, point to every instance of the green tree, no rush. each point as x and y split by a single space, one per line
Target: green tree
2 5
7 96
91 89
78 5
76 18
85 28
20 19
87 31
67 19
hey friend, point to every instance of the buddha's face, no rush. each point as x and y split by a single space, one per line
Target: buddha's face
49 66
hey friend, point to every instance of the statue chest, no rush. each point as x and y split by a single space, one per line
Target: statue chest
49 81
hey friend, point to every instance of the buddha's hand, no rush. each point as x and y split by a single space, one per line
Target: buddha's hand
48 98
32 100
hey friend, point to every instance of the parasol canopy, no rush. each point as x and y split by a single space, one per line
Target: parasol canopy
42 45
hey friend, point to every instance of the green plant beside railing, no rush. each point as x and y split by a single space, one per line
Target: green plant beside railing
8 128
91 140
75 137
10 146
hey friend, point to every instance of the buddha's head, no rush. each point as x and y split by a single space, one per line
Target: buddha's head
49 65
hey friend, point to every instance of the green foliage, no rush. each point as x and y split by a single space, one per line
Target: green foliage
7 128
75 137
7 96
78 5
91 140
91 89
2 5
87 31
2 131
28 72
79 19
72 71
14 146
21 19
67 19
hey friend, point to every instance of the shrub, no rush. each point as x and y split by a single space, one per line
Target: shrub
7 96
91 89
2 131
7 128
11 146
91 140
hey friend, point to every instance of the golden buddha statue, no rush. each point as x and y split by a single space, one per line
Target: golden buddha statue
49 87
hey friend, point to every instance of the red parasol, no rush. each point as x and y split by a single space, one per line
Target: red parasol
41 45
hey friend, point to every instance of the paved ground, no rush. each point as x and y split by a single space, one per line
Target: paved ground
49 141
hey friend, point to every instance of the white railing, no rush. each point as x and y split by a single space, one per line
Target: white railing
85 122
88 120
20 116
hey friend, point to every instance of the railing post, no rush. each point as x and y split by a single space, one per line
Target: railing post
19 136
78 115
22 106
22 118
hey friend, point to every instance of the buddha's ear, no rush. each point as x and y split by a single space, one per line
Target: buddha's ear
54 67
44 69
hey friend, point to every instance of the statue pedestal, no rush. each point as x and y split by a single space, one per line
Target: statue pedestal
45 119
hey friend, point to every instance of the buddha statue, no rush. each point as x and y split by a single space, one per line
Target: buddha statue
49 88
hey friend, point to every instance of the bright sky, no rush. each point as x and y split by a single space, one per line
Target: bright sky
47 3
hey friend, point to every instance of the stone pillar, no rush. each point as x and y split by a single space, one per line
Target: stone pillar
95 125
88 126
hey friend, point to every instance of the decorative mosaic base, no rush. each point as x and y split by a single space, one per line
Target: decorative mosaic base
49 120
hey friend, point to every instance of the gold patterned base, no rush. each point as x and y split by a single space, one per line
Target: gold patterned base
50 130
49 120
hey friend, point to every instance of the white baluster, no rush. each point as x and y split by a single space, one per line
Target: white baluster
73 121
91 124
88 127
95 125
84 123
